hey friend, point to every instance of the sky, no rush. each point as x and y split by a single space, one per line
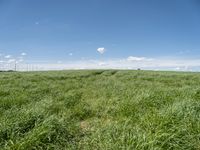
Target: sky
124 34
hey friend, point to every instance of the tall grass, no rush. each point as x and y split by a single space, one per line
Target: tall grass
102 109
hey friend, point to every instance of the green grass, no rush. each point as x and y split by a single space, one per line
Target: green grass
142 110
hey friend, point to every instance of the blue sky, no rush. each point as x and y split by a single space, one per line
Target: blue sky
73 30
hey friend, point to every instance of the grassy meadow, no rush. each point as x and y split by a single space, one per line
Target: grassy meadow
99 110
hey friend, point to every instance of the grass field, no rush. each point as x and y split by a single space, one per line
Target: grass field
141 110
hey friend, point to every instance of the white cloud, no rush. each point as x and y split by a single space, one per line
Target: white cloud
177 68
21 60
70 54
8 56
11 60
102 64
101 50
131 62
23 54
132 58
